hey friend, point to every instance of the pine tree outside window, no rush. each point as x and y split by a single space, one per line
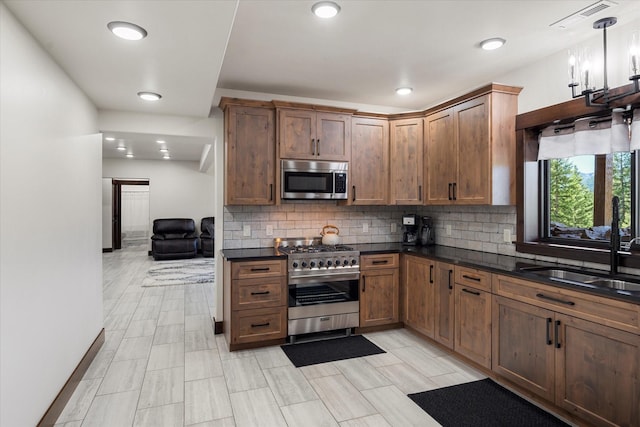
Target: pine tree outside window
579 193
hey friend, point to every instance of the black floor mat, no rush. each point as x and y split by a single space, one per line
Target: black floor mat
482 403
310 353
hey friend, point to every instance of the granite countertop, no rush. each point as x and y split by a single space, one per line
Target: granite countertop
495 263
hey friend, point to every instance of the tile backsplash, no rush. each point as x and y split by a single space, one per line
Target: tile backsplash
471 227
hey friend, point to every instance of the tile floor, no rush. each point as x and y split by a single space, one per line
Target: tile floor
161 365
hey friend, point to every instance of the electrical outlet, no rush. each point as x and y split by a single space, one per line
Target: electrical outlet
448 228
507 235
394 227
246 231
365 227
269 230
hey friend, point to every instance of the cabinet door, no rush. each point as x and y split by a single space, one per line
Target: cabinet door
597 372
473 324
441 158
419 294
297 134
523 350
444 304
406 162
379 297
474 161
251 153
369 166
333 136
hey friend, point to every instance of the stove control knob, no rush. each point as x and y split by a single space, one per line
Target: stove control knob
320 263
345 261
304 264
312 264
354 261
329 263
295 264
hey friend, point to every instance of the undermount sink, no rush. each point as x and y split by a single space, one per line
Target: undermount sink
588 280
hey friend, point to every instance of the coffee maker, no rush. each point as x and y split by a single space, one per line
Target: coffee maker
427 236
410 229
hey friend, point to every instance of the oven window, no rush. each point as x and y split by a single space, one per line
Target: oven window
303 182
320 292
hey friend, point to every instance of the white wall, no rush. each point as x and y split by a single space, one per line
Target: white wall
176 189
50 223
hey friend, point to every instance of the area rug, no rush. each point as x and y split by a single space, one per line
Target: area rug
482 403
311 353
180 272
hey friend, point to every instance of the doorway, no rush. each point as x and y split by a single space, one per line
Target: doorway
130 214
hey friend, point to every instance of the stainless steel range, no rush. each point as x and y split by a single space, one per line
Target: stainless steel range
323 286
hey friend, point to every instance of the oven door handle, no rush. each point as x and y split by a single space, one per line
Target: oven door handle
323 277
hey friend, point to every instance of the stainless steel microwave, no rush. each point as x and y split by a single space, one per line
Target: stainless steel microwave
311 179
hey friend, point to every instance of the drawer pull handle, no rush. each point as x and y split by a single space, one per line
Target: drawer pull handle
450 284
477 279
549 322
260 293
324 319
258 325
561 301
557 333
431 273
476 293
380 261
260 268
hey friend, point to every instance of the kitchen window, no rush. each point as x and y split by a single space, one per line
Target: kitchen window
577 193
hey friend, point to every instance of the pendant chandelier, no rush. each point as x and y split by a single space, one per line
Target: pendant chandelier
581 74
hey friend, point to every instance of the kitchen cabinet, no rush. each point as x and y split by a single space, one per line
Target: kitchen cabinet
255 302
406 136
314 135
444 304
550 349
379 289
473 315
369 168
470 149
250 153
418 285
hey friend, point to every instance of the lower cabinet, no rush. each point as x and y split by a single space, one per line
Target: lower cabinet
587 368
255 302
444 304
419 294
379 289
473 315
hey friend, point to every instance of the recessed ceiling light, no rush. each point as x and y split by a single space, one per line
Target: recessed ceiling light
492 44
164 150
121 148
325 9
160 141
149 96
129 155
166 156
127 30
404 90
109 138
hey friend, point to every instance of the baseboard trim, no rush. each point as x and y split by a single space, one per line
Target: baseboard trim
217 327
55 409
105 250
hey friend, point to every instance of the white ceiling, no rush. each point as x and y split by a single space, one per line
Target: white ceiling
280 47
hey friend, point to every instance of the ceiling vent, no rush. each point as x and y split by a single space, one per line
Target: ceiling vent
583 14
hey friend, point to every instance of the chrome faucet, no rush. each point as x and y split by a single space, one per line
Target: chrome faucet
615 235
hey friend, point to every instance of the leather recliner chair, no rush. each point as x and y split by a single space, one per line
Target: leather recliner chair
207 237
174 238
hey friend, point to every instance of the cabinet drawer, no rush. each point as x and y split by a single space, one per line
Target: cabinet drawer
473 277
368 262
259 325
602 310
250 269
259 293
